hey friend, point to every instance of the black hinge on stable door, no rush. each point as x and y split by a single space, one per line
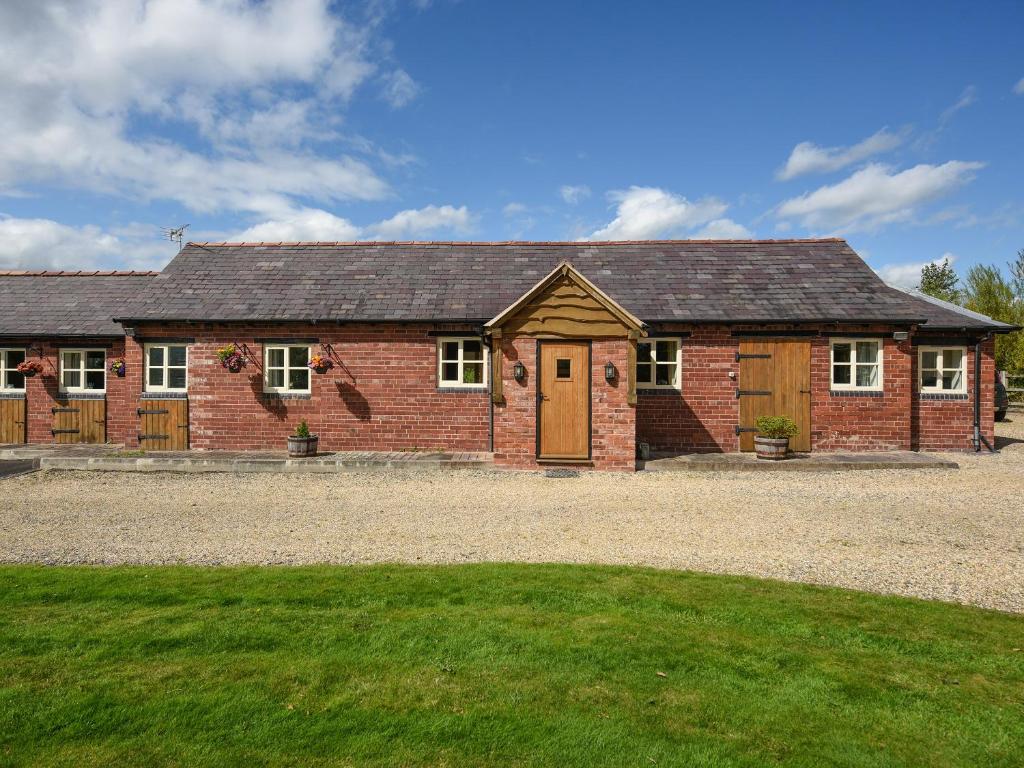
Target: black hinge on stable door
154 437
741 392
745 429
153 412
752 356
64 431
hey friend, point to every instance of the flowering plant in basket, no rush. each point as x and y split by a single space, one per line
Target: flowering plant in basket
117 366
29 368
321 363
231 358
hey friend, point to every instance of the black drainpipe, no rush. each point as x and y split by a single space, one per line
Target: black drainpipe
979 438
488 340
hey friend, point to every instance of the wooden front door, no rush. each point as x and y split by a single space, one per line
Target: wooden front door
775 380
563 400
12 420
80 421
163 425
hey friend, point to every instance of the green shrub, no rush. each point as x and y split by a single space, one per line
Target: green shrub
777 427
302 430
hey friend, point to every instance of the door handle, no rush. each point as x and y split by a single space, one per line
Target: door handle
805 391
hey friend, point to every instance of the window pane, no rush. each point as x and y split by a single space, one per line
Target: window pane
72 379
298 356
472 350
643 352
952 358
840 353
643 373
666 351
95 359
929 378
156 355
15 380
563 368
841 374
176 355
94 379
450 351
867 351
473 373
867 375
176 378
951 379
14 358
275 357
72 359
156 377
665 374
275 377
298 378
450 372
929 359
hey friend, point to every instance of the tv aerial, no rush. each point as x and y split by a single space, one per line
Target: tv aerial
175 234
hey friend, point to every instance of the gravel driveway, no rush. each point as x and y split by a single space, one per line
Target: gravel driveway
943 534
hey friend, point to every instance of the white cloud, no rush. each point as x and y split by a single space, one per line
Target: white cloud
644 213
47 244
400 88
1019 87
574 194
808 157
308 224
909 275
424 221
722 229
513 209
92 89
968 97
303 225
876 195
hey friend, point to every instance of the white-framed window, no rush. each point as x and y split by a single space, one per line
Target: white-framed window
286 368
856 364
10 379
83 370
659 364
166 367
461 362
941 369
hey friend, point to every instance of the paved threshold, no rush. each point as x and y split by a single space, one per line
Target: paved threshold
800 462
105 458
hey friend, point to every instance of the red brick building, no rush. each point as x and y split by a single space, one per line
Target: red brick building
543 353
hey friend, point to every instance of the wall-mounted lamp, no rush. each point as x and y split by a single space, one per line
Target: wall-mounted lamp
900 335
609 371
519 371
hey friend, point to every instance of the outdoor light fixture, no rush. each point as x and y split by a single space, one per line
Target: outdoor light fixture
900 335
519 371
609 371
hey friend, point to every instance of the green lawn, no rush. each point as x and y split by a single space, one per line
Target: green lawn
486 665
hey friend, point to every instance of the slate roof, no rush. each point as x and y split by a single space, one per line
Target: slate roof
943 315
66 303
658 281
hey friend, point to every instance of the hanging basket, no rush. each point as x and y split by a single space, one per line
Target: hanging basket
321 364
118 367
231 358
29 368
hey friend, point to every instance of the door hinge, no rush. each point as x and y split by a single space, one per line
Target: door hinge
745 429
741 392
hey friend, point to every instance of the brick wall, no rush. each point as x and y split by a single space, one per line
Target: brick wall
382 393
42 391
703 416
613 422
948 424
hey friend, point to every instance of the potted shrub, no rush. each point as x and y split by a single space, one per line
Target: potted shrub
231 358
29 368
302 444
772 438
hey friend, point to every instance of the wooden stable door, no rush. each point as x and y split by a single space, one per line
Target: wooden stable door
80 421
163 425
775 380
563 400
12 420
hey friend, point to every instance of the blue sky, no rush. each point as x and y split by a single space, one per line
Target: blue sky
897 126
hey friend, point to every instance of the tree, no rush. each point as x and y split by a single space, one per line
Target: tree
1017 275
940 281
988 292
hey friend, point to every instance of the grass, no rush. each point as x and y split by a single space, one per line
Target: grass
485 665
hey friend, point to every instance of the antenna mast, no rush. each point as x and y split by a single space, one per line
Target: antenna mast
175 234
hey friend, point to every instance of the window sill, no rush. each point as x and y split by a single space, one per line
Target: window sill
82 395
464 390
856 393
288 395
944 395
670 391
13 394
164 396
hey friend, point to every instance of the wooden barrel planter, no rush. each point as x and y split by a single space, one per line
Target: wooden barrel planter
772 448
302 447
